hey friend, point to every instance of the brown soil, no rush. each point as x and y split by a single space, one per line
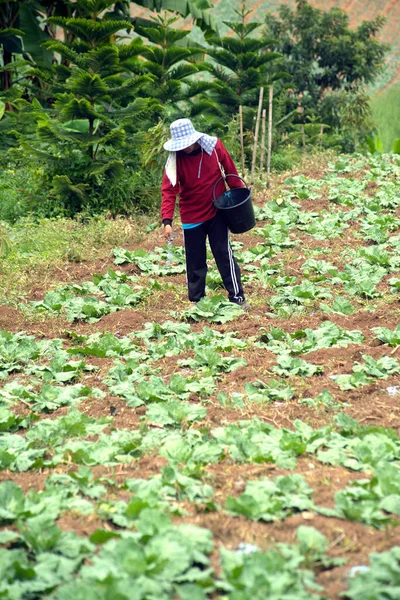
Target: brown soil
370 405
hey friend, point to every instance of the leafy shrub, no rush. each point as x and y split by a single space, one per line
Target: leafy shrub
30 190
136 189
284 159
19 194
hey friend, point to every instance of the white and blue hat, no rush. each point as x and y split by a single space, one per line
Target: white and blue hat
183 135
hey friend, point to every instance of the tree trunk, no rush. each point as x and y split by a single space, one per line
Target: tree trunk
241 137
91 132
6 82
6 75
271 97
263 119
253 162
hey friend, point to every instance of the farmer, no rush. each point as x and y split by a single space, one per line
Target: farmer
192 169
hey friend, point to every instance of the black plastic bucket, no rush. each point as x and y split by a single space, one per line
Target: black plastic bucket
236 207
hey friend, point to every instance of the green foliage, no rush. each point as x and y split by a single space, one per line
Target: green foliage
38 246
60 369
356 113
48 557
81 140
298 295
49 397
288 366
175 412
160 560
283 159
186 8
275 389
153 263
281 571
380 580
241 64
328 335
370 501
271 573
258 442
21 454
358 447
19 350
339 305
267 500
17 27
128 382
103 345
324 400
10 422
19 195
386 113
364 372
392 338
79 110
214 310
172 484
323 54
327 31
171 62
84 302
173 385
210 362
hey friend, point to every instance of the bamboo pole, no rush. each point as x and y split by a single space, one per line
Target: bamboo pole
269 145
263 119
253 162
241 137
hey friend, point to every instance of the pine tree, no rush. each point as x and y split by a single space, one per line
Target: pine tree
197 10
173 65
241 64
96 89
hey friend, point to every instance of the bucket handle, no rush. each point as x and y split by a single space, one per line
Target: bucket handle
225 178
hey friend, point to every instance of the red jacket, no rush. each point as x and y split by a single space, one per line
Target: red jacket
196 193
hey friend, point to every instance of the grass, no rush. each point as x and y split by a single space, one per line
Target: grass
31 251
386 114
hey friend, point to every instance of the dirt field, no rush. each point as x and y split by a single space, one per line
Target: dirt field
321 294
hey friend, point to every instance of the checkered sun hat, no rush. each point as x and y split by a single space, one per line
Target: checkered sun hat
183 135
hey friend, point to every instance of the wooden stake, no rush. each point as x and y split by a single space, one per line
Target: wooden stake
253 162
263 119
269 146
241 137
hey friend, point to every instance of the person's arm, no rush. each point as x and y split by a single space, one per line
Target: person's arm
229 166
168 199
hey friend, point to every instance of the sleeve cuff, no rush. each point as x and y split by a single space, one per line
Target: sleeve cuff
167 222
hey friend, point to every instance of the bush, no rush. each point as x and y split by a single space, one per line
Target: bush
284 159
135 191
19 194
29 191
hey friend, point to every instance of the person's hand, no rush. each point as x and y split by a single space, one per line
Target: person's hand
167 231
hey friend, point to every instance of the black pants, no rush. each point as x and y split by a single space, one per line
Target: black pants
196 259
